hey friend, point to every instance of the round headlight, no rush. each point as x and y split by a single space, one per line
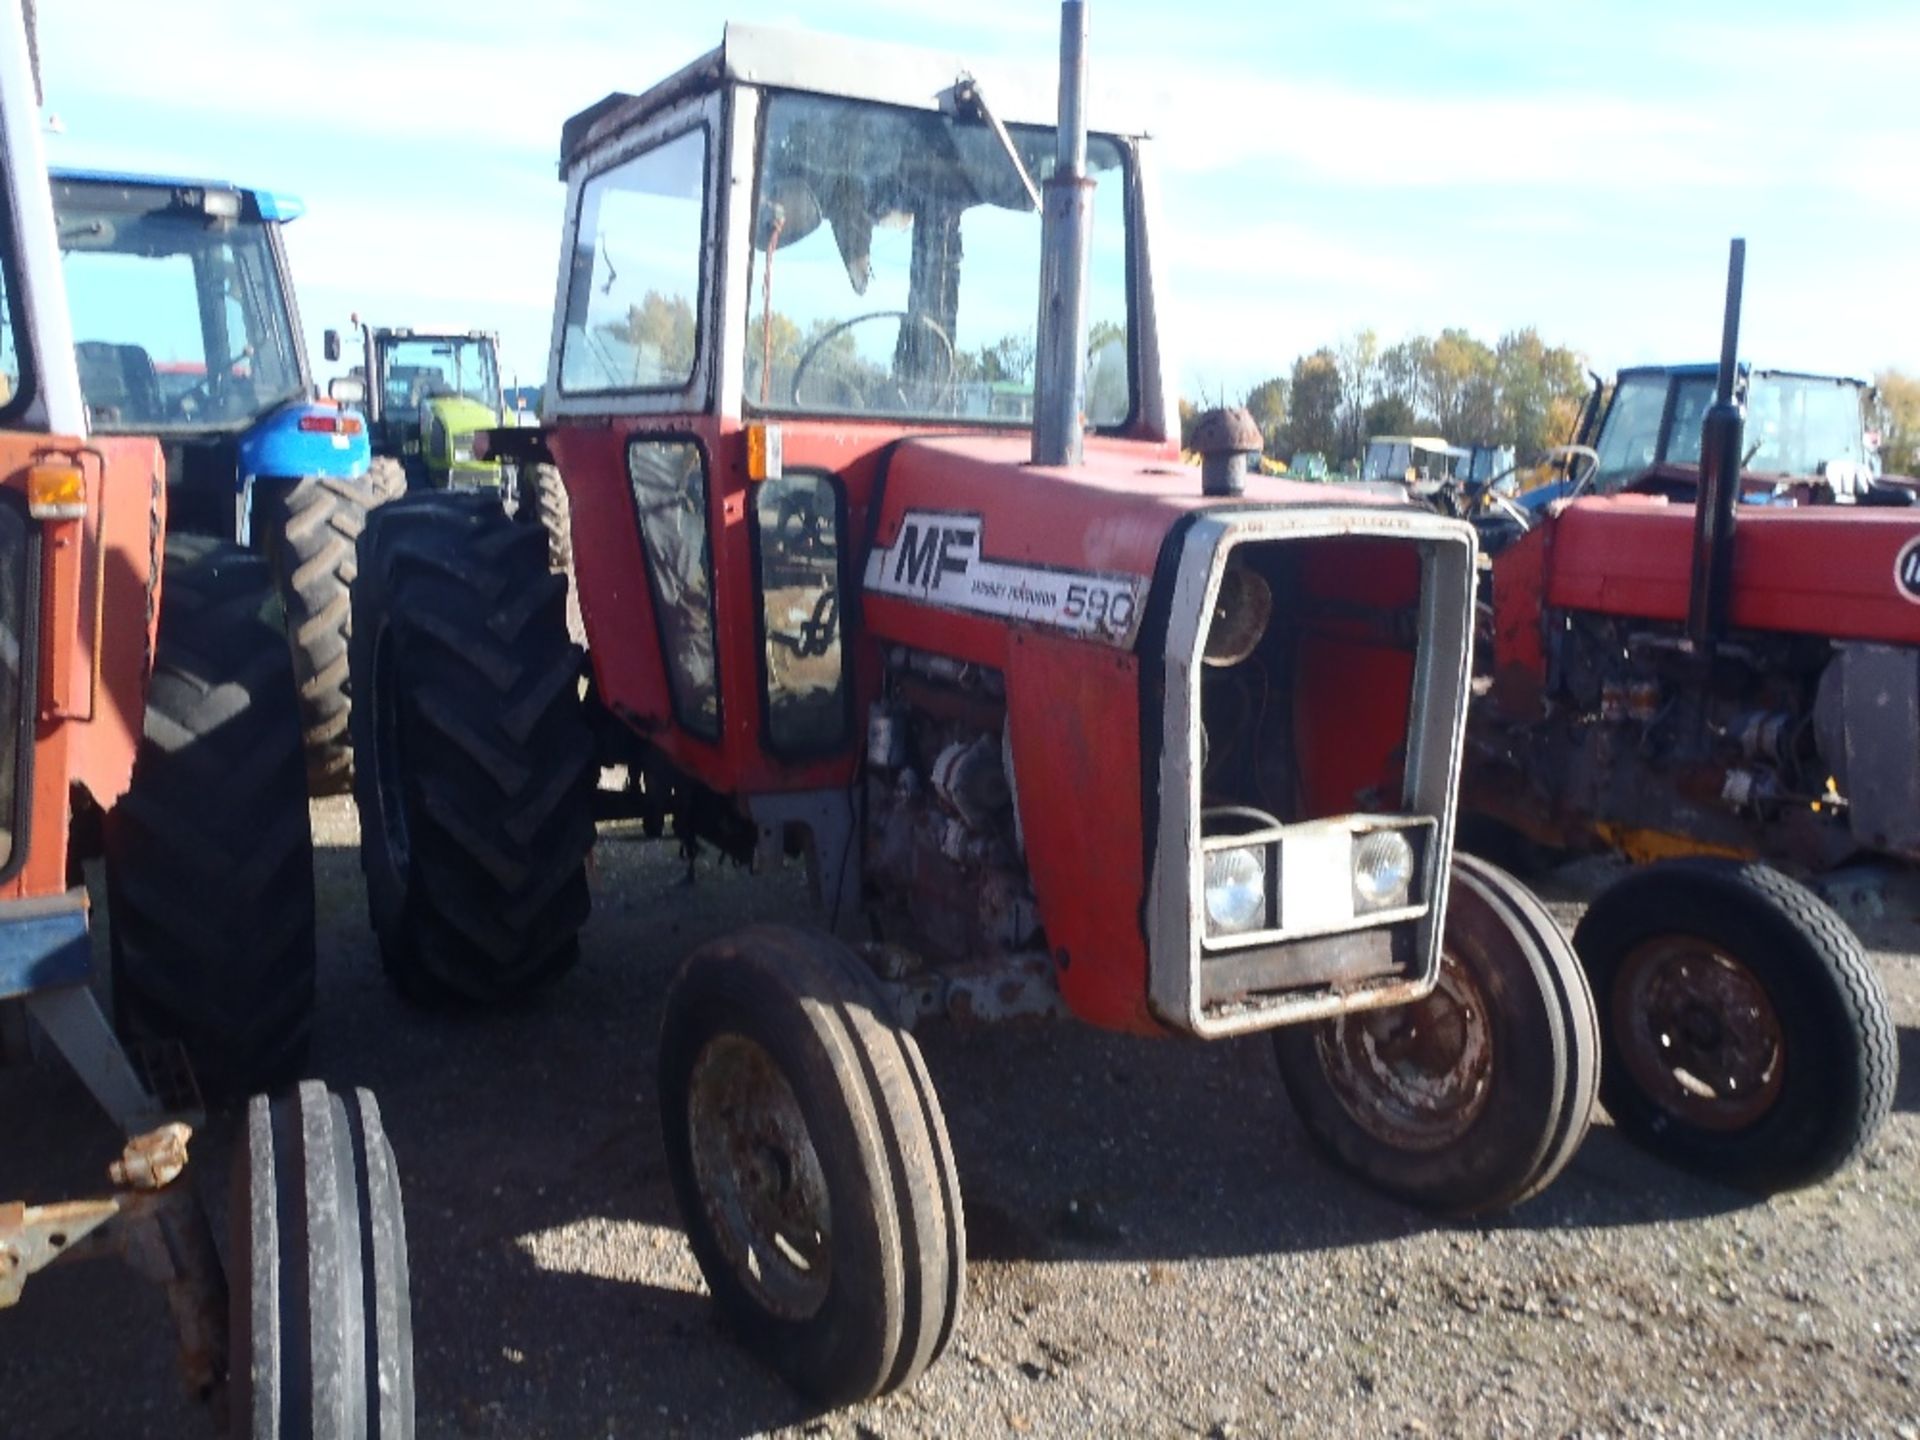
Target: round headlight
1382 870
1236 890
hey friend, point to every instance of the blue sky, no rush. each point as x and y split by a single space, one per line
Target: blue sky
1490 164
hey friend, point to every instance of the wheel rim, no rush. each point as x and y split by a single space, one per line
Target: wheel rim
1698 1033
761 1185
389 761
1417 1076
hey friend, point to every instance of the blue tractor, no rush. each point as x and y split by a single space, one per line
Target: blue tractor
185 328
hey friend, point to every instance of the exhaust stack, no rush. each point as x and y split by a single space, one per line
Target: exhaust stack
1721 437
1066 223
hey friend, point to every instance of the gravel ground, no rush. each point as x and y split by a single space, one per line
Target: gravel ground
1154 1249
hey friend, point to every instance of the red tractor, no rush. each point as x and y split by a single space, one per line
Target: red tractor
1060 725
149 717
1706 662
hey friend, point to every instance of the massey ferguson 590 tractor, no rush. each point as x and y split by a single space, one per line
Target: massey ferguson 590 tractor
1060 728
147 710
1701 686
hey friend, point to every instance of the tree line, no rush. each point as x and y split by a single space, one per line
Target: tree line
1518 391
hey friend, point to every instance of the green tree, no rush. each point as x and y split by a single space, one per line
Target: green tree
659 331
1316 392
1899 420
1267 403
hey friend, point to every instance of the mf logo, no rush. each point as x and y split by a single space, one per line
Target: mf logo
927 554
1906 570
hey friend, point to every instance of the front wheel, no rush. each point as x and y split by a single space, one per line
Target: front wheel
321 1312
1478 1096
811 1164
1746 1036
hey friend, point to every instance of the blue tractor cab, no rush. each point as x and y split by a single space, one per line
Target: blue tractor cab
185 328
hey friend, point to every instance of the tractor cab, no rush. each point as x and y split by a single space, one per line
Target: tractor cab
426 394
185 328
1803 431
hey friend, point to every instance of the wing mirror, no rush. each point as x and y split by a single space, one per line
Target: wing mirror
330 345
346 389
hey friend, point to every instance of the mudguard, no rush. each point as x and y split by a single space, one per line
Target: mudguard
277 446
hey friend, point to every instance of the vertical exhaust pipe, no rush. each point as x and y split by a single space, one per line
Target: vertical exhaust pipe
1721 437
1066 223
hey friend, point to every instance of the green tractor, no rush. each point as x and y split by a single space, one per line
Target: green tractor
427 392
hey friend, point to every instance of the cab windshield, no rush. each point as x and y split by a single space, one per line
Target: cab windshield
1795 424
178 317
422 367
896 266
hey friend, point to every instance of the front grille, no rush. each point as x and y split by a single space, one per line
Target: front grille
1316 679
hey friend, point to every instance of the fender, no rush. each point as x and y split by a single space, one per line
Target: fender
297 440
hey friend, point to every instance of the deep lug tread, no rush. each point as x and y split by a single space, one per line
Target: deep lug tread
209 857
494 772
312 528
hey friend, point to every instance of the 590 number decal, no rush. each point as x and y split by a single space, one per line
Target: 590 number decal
937 560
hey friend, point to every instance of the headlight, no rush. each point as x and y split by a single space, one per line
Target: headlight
1382 870
463 446
1236 890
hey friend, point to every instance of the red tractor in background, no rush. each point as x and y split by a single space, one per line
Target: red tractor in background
1710 666
1061 725
149 717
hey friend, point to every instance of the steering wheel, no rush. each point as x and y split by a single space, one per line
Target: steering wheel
185 403
937 393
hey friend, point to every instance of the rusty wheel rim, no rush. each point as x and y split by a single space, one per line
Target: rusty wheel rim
760 1181
1698 1033
1415 1077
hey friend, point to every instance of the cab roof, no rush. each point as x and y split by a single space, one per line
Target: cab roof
782 59
267 204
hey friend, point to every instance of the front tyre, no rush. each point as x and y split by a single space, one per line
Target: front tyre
321 1317
1477 1097
310 530
1746 1035
811 1164
209 854
475 773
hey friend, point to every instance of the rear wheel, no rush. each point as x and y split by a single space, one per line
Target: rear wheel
1747 1036
1476 1097
311 528
322 1317
476 764
209 854
543 501
811 1164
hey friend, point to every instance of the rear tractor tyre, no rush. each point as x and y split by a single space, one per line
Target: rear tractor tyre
1746 1036
476 770
209 854
811 1164
310 529
543 501
1475 1098
321 1313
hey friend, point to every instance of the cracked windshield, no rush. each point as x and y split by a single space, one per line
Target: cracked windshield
896 266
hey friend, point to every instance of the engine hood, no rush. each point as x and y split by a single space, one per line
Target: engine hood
968 526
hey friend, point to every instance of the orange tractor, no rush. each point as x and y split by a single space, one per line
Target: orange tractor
875 571
148 715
